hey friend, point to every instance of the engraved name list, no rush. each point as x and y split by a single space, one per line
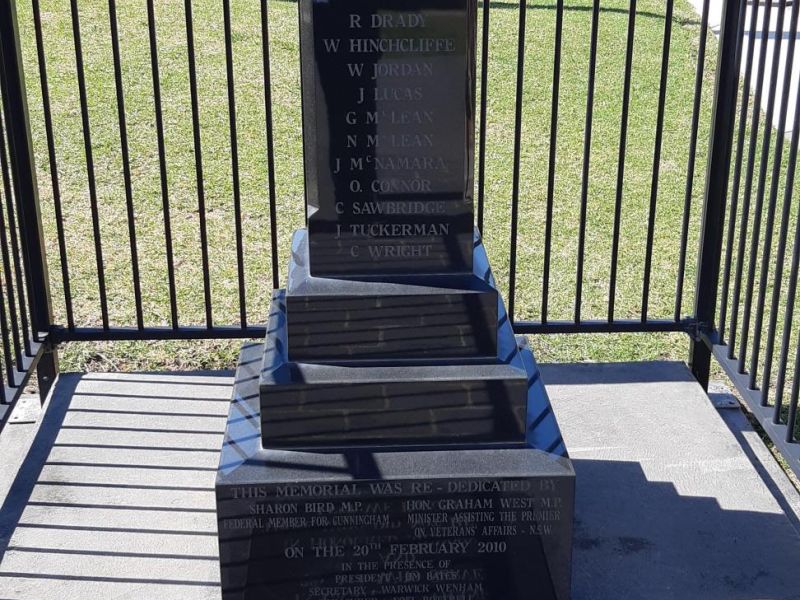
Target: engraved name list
390 161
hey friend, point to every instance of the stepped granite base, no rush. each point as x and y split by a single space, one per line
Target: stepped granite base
437 523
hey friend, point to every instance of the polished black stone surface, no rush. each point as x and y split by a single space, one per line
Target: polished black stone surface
488 523
391 438
412 318
312 404
388 128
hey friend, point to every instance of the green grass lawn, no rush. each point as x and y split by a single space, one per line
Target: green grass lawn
209 40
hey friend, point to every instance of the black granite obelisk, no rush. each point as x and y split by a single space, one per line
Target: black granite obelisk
391 438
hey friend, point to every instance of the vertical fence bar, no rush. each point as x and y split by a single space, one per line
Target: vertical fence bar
3 395
7 344
623 140
783 360
237 195
785 216
198 161
687 199
748 192
51 154
587 151
13 223
651 217
15 280
737 176
16 346
270 133
126 163
720 146
482 130
8 348
792 416
771 206
87 144
27 191
162 162
512 275
551 166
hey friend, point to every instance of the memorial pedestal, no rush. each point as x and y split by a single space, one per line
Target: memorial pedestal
390 439
362 523
364 482
492 522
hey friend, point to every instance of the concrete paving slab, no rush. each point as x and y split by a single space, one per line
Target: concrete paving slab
675 499
669 503
116 497
27 409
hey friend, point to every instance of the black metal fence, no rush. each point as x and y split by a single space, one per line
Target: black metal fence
756 336
25 312
683 251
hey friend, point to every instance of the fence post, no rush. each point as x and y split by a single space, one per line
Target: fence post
716 190
26 190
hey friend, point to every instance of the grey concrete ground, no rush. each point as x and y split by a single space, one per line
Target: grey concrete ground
123 505
676 500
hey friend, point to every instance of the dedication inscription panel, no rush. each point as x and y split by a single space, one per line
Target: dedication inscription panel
447 539
388 130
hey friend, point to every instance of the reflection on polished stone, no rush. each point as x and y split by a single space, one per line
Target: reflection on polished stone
413 318
309 404
486 522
